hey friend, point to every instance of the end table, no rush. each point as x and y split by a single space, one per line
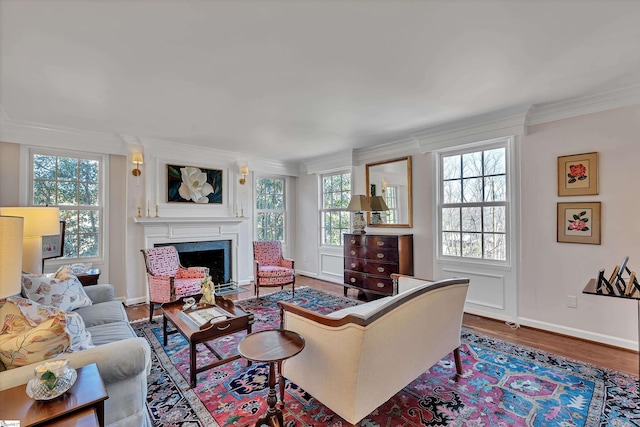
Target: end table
274 345
87 392
90 277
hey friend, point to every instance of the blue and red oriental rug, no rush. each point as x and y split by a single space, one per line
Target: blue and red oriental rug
503 384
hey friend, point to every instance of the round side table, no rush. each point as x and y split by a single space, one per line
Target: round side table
272 346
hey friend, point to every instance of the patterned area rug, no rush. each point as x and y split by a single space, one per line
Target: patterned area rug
503 385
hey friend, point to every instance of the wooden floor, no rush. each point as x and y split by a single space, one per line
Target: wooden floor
597 354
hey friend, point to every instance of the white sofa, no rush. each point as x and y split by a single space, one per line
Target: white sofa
357 358
123 360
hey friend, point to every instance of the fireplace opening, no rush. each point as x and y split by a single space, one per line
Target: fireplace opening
214 254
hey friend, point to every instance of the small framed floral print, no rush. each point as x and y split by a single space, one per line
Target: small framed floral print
579 223
578 175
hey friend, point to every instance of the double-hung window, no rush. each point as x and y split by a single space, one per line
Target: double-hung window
334 219
473 204
270 209
73 183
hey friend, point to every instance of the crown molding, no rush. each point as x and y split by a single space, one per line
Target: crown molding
386 151
574 107
328 163
30 133
174 150
492 125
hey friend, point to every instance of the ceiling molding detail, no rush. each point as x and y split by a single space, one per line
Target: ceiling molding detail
552 111
386 151
212 156
57 137
329 163
479 128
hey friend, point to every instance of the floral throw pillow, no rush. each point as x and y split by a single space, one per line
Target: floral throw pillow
31 333
67 294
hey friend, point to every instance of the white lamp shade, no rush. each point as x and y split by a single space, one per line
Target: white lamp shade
244 170
358 203
137 158
38 220
10 255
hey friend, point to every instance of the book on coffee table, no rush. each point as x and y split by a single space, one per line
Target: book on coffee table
200 317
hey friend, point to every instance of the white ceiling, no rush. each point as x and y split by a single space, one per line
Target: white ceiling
296 79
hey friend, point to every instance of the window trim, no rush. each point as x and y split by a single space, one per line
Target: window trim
506 143
322 209
103 208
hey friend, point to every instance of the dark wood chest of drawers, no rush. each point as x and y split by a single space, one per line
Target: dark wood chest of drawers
370 259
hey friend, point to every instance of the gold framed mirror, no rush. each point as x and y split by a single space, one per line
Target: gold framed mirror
389 192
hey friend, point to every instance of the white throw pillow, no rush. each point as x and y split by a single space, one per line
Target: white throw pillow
67 294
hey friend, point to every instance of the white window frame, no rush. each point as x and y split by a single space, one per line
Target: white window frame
282 211
508 202
102 208
322 210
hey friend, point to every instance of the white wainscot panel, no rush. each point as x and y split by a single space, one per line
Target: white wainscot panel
332 265
485 290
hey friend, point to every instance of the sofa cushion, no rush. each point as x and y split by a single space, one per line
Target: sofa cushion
362 309
111 332
65 294
104 312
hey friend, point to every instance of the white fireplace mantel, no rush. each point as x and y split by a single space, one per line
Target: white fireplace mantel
145 221
163 230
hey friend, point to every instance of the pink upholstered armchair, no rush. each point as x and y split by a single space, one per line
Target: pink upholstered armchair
168 280
270 268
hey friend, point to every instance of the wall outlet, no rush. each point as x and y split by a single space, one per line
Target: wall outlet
572 301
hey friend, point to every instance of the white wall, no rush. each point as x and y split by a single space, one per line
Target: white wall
549 270
9 172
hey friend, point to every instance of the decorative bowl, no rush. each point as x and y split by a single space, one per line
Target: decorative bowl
51 379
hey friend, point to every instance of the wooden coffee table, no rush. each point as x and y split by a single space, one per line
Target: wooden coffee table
86 394
272 346
238 320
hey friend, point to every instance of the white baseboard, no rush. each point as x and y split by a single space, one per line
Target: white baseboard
580 333
133 301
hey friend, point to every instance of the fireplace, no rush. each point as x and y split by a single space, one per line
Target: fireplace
214 254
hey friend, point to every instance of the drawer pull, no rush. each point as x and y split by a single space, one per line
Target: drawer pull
353 265
220 328
353 252
380 255
353 241
353 280
380 285
380 243
381 269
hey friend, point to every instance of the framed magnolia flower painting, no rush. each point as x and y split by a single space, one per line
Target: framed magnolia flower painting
579 222
190 184
578 175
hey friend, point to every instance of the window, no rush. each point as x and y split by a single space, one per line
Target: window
390 195
270 205
73 184
473 204
334 219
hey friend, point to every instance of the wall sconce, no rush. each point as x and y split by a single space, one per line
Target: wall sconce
385 184
137 160
244 171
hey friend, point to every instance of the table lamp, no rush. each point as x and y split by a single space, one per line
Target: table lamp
357 204
10 255
38 221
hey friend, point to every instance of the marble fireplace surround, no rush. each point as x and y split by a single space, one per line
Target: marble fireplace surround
189 229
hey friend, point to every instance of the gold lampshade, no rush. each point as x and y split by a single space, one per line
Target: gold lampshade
38 221
378 204
10 255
